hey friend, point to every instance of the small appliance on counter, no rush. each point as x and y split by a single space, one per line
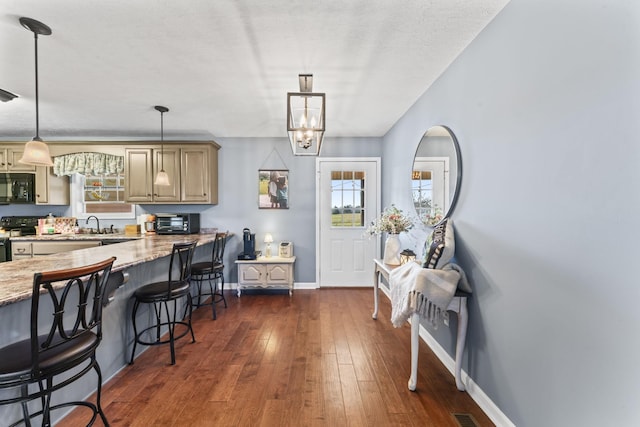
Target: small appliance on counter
185 223
249 241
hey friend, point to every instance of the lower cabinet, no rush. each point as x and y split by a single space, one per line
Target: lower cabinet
24 249
273 272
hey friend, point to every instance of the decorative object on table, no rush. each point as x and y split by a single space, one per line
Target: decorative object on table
440 245
36 152
285 250
406 256
162 178
393 222
268 239
273 189
305 118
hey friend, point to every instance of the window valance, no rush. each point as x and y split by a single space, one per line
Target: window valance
88 164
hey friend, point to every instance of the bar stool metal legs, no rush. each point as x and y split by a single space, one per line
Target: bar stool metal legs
162 294
211 272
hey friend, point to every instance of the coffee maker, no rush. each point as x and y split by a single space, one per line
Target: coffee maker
249 241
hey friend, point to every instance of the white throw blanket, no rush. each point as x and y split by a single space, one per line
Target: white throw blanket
425 291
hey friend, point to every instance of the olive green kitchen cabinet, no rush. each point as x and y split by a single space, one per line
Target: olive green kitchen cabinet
51 189
192 170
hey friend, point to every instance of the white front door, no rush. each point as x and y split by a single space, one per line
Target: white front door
348 199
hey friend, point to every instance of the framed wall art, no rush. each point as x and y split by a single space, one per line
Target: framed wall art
273 189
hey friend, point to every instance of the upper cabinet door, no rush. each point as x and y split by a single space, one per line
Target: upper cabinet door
196 181
167 158
138 172
9 160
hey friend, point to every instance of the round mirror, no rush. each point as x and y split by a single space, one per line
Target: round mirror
436 175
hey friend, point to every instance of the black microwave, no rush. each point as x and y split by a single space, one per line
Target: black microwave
17 188
178 223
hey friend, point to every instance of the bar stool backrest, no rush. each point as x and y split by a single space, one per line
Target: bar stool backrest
180 264
217 255
72 311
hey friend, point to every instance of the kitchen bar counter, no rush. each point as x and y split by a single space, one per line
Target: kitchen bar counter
144 260
16 277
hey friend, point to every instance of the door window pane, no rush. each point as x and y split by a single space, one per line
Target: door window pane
347 198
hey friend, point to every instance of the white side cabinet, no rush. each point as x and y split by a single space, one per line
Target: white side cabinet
272 272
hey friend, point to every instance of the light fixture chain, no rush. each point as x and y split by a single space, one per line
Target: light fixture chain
37 138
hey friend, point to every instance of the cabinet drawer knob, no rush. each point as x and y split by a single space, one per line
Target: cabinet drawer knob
21 250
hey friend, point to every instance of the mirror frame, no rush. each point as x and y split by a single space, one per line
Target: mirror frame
458 179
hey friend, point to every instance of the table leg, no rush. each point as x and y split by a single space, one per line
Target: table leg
463 320
415 337
376 279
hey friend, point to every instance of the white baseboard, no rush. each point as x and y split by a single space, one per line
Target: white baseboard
476 393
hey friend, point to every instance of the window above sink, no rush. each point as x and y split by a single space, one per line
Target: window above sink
100 195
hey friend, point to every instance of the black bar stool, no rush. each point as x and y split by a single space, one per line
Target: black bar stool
160 295
211 272
68 306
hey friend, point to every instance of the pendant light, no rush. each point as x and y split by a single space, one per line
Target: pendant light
36 152
305 118
162 178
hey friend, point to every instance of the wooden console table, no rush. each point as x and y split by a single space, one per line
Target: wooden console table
458 305
272 272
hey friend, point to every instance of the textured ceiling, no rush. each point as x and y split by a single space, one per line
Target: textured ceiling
223 67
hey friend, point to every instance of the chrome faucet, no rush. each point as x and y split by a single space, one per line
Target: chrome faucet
97 222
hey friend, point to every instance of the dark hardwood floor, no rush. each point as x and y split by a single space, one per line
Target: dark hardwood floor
315 359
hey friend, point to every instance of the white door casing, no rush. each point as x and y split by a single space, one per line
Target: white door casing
345 253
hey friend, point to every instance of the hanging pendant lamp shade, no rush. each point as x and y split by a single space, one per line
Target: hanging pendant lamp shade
162 178
305 118
36 152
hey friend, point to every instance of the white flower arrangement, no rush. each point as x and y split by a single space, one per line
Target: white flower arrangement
392 221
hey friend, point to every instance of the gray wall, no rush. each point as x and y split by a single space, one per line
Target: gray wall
545 104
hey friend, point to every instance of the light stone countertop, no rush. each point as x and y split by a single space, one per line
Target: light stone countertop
16 277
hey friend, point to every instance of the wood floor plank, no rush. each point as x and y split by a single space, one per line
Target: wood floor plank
314 359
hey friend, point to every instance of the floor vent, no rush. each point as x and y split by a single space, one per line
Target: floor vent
465 420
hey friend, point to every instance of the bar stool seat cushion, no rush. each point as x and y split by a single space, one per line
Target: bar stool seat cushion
201 268
15 359
158 291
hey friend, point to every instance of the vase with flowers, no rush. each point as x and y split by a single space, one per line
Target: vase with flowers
393 222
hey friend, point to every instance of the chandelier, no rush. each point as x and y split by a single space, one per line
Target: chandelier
305 118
